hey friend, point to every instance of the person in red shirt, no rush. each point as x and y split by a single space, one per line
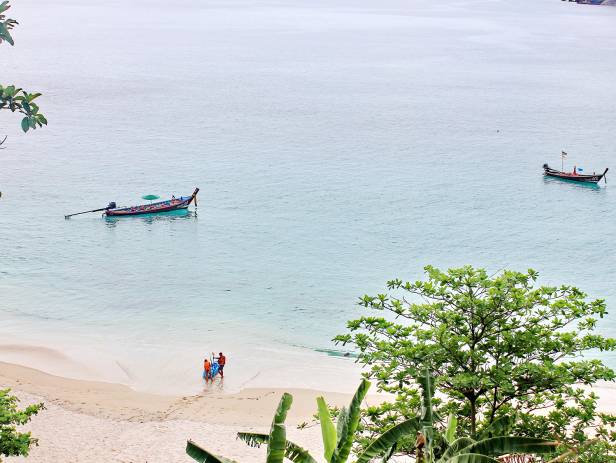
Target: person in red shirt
207 370
222 360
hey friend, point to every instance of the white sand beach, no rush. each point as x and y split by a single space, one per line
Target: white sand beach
104 422
99 421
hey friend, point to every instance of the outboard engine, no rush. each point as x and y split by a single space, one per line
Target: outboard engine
111 205
545 166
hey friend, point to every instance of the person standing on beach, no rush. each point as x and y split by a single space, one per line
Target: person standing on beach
222 360
207 370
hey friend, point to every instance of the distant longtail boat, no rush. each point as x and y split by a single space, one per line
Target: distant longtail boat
172 204
153 208
573 176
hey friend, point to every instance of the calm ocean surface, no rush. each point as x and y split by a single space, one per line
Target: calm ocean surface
337 144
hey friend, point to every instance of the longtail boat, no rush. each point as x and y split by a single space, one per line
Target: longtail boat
162 206
573 176
172 204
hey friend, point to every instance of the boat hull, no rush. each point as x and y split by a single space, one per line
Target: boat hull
173 204
123 213
595 178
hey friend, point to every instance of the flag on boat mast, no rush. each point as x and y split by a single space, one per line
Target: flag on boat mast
563 155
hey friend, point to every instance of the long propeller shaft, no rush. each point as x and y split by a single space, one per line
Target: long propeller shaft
85 212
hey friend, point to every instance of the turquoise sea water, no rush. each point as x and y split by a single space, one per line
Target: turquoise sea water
337 144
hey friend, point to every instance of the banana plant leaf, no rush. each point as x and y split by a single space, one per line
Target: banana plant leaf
341 424
253 439
328 430
204 456
505 444
382 444
350 423
297 454
389 454
426 381
455 447
293 452
472 458
277 443
452 425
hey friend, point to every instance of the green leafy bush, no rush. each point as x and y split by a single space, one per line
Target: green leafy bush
13 442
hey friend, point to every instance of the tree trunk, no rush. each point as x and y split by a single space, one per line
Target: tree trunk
420 443
473 417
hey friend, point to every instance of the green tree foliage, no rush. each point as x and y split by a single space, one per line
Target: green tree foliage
12 442
501 348
435 446
13 98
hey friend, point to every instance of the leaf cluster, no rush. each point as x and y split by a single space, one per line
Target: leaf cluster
13 98
6 24
18 100
12 442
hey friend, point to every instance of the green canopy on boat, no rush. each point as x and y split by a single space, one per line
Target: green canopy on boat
150 197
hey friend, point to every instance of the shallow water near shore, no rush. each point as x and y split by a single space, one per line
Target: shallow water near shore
336 144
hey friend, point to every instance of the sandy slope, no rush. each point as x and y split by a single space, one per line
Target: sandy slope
96 421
